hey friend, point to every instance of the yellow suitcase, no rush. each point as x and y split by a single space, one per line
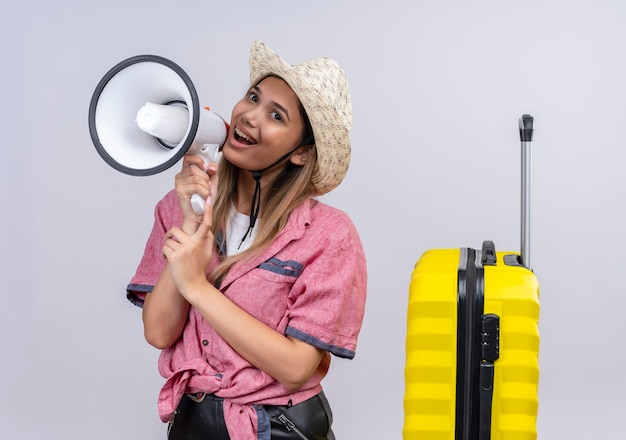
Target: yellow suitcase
472 340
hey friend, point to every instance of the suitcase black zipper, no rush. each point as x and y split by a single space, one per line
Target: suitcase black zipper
470 305
477 347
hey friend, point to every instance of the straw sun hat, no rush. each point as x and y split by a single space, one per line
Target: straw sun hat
322 88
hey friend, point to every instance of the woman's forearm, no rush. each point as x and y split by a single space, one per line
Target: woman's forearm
288 360
164 312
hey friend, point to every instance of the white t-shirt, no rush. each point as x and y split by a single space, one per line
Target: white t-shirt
236 228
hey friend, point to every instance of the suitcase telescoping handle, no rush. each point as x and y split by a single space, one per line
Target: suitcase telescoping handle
526 138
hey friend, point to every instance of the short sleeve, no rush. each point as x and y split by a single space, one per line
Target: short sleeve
167 214
329 307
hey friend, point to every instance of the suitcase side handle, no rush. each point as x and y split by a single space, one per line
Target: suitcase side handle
526 129
488 256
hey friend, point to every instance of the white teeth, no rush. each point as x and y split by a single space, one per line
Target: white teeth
243 135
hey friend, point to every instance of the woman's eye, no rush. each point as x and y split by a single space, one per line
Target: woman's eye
253 97
277 116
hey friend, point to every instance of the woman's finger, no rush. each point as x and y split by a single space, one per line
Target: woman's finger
213 179
169 248
207 220
173 239
175 233
192 179
193 160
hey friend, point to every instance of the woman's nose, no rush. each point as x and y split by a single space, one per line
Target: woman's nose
251 116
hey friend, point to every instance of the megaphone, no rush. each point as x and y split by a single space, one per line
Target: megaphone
144 116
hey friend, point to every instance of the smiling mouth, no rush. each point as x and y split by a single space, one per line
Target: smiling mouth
240 136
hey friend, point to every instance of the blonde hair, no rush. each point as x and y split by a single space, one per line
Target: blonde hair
287 191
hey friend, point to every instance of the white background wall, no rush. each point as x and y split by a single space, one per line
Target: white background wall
437 89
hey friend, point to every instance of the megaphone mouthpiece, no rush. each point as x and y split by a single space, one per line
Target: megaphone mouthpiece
169 123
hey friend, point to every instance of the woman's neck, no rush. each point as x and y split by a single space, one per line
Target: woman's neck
245 191
246 185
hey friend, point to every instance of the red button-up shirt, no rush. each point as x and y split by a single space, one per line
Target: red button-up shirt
310 283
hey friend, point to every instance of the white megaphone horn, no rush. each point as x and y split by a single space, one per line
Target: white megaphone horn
144 116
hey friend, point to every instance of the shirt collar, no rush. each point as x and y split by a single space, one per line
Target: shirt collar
298 222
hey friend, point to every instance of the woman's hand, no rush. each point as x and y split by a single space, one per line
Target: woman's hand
189 254
194 179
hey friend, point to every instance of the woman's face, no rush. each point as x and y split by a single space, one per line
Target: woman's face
265 125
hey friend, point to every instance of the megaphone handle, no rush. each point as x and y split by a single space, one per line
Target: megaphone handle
197 203
208 153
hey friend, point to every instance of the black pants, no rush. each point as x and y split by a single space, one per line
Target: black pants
201 417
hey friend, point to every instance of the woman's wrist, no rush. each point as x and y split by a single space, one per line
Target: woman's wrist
190 226
196 290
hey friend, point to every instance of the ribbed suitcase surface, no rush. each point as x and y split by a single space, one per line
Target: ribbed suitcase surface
434 404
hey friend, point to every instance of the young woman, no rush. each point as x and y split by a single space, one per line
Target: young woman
248 302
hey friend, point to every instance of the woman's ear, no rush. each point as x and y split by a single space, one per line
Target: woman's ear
301 155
